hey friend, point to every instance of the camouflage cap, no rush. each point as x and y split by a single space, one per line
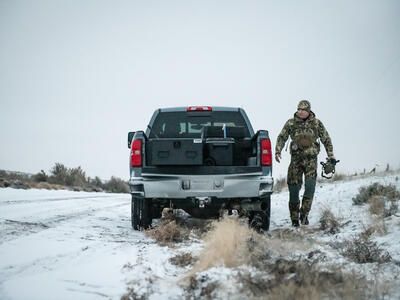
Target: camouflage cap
304 104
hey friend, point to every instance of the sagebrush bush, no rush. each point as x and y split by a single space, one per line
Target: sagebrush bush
328 222
116 185
302 279
76 177
10 176
61 177
40 177
68 176
59 174
362 249
376 189
97 182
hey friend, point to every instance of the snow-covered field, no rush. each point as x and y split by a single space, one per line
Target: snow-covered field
76 245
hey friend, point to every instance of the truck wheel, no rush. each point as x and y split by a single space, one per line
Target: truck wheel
266 208
260 220
134 213
140 212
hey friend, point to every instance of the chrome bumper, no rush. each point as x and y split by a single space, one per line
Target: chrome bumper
184 186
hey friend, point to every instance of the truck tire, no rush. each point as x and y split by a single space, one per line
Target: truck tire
260 220
266 206
134 213
140 212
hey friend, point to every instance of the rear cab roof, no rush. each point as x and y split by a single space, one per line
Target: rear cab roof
213 108
184 108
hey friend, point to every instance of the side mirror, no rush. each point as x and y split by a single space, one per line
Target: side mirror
130 138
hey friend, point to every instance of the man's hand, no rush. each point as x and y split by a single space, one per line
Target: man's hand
278 157
332 158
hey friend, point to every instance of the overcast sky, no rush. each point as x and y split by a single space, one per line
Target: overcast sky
76 76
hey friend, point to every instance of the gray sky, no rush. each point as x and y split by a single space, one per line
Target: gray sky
76 76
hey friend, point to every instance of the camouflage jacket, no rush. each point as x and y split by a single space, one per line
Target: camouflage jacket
305 136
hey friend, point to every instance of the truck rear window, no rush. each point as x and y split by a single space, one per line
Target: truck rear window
190 124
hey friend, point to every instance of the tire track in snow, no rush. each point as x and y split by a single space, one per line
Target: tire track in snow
108 236
25 201
13 229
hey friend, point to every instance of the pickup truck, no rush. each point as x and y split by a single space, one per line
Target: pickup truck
204 160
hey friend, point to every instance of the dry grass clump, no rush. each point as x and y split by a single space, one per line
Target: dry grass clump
377 226
376 189
182 260
225 244
383 206
44 185
328 222
362 249
376 205
168 232
231 243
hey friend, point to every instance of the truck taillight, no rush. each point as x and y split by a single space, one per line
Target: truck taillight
136 153
266 153
199 108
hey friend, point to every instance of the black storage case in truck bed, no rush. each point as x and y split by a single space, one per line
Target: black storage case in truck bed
219 151
174 152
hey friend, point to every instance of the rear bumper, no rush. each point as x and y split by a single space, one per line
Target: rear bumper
189 186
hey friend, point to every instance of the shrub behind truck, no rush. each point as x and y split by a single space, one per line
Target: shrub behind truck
204 160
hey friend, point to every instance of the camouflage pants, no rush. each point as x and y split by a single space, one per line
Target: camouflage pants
298 167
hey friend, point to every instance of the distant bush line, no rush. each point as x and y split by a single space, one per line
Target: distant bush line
62 177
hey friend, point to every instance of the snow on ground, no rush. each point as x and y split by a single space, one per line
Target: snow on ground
78 245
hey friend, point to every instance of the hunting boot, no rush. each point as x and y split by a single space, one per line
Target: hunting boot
306 202
294 204
303 214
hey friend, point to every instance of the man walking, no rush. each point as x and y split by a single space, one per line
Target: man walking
305 131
